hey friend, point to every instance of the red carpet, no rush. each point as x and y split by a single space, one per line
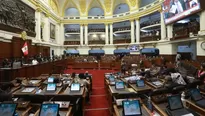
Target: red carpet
98 102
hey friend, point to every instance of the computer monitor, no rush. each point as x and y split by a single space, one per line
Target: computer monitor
51 87
75 87
140 83
49 110
195 94
7 109
51 80
175 102
119 85
131 108
111 78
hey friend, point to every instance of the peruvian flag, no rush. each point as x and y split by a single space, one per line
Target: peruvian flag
25 49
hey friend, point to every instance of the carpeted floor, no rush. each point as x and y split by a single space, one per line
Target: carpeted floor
98 102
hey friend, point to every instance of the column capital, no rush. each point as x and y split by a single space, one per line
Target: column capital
38 9
132 20
86 24
47 15
160 9
81 24
106 23
137 18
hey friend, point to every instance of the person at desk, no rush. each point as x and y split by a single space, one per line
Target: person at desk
153 72
85 82
201 73
6 63
34 62
5 89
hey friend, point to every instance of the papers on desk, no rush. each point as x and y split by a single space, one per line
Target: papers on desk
132 78
155 113
34 81
28 90
119 102
157 83
131 90
190 114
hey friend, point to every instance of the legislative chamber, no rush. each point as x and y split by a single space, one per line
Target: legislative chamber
102 57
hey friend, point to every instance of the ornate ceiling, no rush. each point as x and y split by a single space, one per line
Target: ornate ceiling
84 6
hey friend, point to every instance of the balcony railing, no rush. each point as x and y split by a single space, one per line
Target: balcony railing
71 42
121 41
97 42
150 38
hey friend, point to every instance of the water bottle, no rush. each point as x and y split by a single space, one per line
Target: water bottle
149 104
183 98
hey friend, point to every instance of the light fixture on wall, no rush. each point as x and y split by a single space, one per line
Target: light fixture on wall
103 36
94 35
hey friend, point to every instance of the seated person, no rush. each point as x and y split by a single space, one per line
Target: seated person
153 72
34 62
5 89
5 63
201 73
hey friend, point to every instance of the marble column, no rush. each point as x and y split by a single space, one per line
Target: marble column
106 34
38 24
137 30
62 34
111 34
163 27
170 31
81 34
46 29
202 21
86 34
132 31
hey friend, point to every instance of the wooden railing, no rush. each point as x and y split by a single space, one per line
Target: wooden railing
121 41
150 38
71 42
96 42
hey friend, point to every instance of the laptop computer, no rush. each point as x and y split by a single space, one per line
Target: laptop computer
49 110
75 87
51 87
176 107
197 97
140 83
7 109
131 108
119 85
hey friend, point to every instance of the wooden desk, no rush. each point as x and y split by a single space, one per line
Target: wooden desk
118 110
62 112
23 112
144 89
121 91
194 107
73 93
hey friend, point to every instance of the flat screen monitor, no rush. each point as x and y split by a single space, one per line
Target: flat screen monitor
196 95
7 109
51 87
132 108
119 85
175 10
50 79
111 78
75 87
175 102
49 110
140 83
